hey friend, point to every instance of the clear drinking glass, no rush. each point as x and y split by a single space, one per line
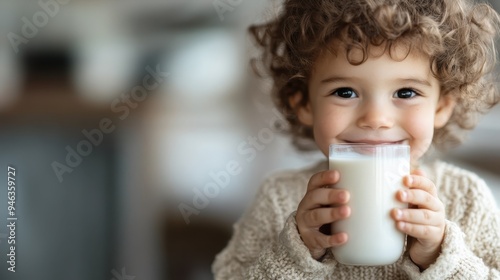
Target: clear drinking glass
372 174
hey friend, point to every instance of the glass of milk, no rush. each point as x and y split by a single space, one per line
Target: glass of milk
372 174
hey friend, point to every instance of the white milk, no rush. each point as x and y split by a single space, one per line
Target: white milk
373 236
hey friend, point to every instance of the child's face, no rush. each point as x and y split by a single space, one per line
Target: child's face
380 101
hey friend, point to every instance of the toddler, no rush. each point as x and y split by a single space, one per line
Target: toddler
414 72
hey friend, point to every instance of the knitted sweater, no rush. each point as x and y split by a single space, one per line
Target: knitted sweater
266 243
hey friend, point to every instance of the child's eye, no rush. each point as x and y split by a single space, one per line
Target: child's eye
345 93
405 93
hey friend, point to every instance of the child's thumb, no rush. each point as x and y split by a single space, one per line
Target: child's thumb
419 172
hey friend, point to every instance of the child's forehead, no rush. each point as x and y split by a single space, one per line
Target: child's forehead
357 55
398 51
394 62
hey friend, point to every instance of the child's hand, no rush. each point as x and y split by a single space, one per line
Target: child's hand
321 205
424 221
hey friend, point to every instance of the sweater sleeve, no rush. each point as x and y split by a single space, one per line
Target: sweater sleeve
471 246
266 244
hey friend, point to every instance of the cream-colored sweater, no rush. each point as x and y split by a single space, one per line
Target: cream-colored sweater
266 243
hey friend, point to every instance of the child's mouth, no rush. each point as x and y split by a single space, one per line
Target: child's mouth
378 142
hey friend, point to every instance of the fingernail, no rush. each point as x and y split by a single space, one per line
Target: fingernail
399 213
340 238
404 195
342 196
409 180
343 210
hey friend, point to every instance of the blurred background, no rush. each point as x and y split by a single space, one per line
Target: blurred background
121 118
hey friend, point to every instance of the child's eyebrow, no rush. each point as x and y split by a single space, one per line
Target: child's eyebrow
335 79
423 82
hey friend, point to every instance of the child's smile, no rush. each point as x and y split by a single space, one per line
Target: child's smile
385 100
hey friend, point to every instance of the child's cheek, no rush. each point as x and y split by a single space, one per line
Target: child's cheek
322 140
421 131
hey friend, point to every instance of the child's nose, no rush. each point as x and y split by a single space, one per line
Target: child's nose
375 116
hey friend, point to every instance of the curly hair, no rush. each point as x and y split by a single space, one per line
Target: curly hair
458 37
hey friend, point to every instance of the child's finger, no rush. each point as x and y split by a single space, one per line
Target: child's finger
317 241
421 198
419 172
320 216
418 216
323 197
324 178
422 232
337 239
420 182
326 241
327 197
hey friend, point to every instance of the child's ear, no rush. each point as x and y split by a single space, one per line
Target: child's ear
303 112
445 106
